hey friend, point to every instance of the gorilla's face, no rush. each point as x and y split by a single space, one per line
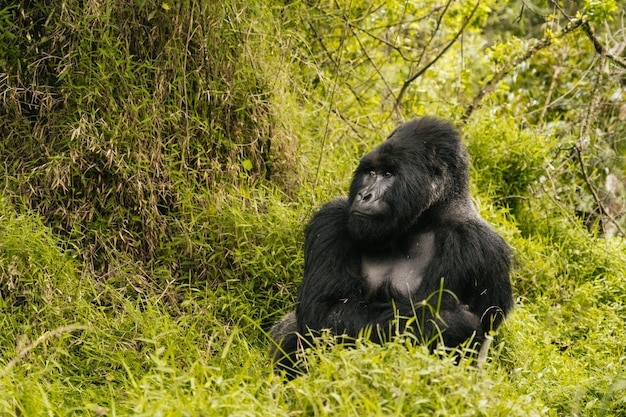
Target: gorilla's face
370 190
419 165
372 216
387 193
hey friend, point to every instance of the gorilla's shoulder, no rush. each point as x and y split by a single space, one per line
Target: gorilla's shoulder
338 204
335 207
332 216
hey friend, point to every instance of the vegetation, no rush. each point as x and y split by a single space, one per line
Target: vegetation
160 159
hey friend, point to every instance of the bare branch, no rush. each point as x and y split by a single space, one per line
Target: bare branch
432 36
337 62
603 211
544 110
600 48
369 59
425 68
584 133
385 42
573 25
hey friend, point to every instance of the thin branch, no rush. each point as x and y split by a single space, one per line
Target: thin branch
593 106
367 56
352 125
337 62
432 36
420 72
584 133
594 193
385 42
600 48
573 25
544 110
582 79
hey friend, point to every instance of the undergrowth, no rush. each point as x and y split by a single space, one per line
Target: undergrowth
159 161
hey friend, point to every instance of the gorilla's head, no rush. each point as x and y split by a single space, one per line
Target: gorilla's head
421 167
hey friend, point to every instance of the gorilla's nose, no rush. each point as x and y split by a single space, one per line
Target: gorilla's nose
366 196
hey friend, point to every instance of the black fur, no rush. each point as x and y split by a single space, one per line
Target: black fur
377 260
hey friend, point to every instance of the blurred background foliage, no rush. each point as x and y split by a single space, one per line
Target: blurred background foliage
160 158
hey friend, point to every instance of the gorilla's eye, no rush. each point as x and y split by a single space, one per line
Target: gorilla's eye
372 173
388 174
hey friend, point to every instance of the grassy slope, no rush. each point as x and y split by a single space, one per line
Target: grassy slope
75 346
140 337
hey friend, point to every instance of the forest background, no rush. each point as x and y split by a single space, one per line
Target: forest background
160 158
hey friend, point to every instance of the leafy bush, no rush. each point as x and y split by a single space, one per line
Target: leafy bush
134 105
506 161
36 274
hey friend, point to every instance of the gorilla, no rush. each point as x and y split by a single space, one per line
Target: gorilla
405 253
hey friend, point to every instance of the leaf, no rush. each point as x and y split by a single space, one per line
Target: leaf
247 164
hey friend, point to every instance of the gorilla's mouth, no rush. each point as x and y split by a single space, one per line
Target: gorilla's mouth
364 215
372 215
358 213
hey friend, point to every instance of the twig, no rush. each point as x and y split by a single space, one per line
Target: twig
367 56
432 36
587 121
385 42
555 76
594 193
337 62
421 71
573 25
600 48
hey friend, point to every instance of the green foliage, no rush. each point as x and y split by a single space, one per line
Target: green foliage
33 274
160 159
402 380
506 161
134 104
246 241
600 11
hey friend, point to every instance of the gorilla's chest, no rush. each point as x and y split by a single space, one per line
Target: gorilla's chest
401 271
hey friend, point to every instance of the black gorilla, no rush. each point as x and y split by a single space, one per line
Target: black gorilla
405 252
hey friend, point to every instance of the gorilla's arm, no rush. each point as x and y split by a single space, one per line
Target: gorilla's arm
474 263
331 295
334 296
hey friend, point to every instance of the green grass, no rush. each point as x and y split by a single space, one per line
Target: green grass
74 345
159 161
